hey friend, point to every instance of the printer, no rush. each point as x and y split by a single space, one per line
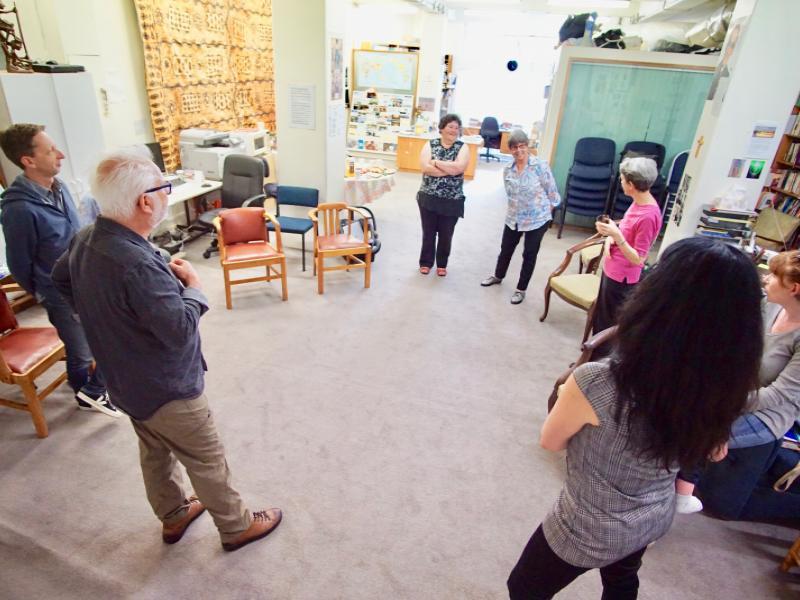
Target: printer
205 150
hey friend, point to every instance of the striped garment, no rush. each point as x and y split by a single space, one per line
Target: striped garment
613 502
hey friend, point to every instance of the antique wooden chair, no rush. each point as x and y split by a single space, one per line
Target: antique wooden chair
334 237
577 289
25 354
244 244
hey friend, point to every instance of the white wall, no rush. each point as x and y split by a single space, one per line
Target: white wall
764 86
103 36
485 87
308 157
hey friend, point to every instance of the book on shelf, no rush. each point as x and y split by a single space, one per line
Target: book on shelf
765 199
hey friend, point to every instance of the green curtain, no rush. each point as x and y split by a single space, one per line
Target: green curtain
628 103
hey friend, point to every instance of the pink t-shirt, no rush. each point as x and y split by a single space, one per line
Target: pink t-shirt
639 227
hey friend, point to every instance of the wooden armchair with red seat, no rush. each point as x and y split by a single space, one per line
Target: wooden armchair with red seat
25 354
334 237
244 244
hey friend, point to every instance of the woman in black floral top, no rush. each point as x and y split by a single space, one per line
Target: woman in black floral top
441 196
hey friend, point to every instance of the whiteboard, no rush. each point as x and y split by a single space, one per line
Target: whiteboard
390 72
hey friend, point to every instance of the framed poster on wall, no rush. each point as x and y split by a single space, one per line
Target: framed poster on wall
388 72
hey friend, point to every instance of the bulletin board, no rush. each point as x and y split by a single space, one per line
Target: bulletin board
629 102
389 72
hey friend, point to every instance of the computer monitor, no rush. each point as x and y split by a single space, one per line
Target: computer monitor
158 157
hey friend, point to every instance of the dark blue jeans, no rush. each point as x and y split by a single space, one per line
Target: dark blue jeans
740 487
80 375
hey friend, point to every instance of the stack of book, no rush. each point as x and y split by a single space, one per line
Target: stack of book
728 225
793 126
793 154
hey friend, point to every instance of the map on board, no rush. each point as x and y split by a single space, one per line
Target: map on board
394 72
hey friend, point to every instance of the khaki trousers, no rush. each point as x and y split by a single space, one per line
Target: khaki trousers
185 430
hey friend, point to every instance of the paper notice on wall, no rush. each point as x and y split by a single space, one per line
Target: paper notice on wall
302 107
762 140
335 120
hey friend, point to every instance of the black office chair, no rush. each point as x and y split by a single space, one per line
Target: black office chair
619 201
242 185
490 132
287 195
589 180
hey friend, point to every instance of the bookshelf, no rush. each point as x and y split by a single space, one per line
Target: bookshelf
782 189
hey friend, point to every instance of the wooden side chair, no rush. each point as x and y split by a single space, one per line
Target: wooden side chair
792 557
26 353
334 237
244 244
577 289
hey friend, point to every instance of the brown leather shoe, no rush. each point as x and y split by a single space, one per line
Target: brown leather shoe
173 533
264 523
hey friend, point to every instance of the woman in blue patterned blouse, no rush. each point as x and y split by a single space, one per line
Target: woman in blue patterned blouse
441 196
532 196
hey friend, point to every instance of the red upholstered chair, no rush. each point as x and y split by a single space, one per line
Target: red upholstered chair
244 244
333 237
26 353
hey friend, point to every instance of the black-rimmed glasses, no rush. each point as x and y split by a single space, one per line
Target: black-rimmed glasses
166 186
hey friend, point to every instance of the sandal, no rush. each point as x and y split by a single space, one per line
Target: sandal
441 271
424 270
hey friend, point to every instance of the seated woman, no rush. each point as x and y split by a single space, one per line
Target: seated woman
739 486
623 429
532 195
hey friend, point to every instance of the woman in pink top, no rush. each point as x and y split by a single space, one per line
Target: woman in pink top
627 245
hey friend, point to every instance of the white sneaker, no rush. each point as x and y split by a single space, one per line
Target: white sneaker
101 404
686 505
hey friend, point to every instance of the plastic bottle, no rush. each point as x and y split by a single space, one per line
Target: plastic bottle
588 30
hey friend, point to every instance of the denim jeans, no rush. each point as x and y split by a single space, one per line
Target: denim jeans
740 487
80 375
748 430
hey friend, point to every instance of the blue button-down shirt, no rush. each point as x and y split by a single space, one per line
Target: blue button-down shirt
532 195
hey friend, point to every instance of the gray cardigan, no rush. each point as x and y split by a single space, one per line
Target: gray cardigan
777 403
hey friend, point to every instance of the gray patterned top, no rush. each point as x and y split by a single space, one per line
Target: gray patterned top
613 502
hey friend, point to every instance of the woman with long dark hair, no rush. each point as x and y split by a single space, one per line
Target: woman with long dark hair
687 355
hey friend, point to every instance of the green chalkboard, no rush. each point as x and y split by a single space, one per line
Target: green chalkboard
628 103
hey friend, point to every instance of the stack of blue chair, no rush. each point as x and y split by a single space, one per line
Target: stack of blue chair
657 152
590 178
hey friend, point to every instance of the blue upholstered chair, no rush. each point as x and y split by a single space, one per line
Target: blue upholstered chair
296 196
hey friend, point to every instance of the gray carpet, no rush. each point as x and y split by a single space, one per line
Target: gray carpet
397 428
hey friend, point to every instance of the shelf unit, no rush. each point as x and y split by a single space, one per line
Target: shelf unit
375 120
783 184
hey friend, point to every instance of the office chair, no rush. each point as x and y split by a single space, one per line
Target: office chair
619 201
242 185
490 132
288 195
589 179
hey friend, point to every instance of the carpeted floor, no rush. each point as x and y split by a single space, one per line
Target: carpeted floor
397 428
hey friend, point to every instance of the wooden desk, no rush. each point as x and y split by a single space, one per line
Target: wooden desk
504 133
189 191
409 146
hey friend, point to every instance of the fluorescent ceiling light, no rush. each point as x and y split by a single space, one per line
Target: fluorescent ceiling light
591 3
494 2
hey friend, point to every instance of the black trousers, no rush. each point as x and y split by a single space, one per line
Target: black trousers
435 225
530 249
610 297
540 573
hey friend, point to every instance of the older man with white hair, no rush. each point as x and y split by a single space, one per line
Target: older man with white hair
143 329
